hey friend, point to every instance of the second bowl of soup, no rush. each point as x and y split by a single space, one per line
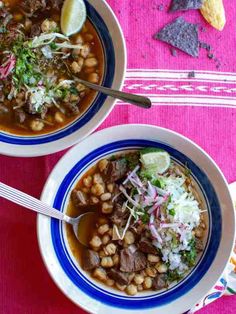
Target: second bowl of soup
41 102
161 231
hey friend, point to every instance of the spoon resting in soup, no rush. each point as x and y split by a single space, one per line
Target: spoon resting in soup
150 225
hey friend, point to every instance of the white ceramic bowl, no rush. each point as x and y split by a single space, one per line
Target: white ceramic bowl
97 298
110 33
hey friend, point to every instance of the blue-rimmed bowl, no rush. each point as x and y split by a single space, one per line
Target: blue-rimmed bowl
103 19
97 298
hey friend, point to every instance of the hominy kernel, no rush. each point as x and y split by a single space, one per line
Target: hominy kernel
147 284
107 208
105 197
100 274
153 258
103 229
110 249
110 282
151 271
105 239
107 262
138 279
102 165
110 187
121 287
97 189
129 237
91 62
87 181
95 242
131 289
97 178
162 268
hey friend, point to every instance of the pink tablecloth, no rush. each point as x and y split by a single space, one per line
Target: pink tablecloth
25 286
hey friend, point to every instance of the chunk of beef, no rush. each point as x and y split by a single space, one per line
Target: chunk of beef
29 107
159 282
35 30
31 6
119 277
132 261
199 245
72 108
90 259
20 115
120 215
146 246
117 169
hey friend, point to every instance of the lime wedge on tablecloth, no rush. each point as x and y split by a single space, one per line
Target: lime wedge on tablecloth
73 16
158 161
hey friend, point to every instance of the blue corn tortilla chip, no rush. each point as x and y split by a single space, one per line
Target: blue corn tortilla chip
184 5
182 35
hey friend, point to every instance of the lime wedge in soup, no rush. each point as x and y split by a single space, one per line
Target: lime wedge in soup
157 162
73 16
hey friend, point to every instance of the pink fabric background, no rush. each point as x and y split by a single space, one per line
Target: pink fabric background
25 286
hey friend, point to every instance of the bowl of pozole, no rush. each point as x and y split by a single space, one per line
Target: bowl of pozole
43 108
164 225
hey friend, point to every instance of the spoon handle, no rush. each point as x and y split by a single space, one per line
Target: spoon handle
133 99
29 202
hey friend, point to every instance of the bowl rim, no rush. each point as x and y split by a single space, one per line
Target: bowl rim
117 129
70 139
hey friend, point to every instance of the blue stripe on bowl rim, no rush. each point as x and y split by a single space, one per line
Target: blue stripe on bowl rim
109 71
115 300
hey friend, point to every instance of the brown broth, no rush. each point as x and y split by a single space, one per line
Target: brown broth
88 230
7 121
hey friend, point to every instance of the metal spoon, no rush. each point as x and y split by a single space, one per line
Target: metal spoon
36 205
133 99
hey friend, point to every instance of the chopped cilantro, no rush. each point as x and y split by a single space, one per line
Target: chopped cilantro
113 158
172 212
61 92
158 183
73 90
25 72
53 45
132 160
145 218
173 275
189 257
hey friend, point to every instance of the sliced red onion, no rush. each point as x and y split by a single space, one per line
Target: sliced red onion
131 174
152 209
154 233
151 221
8 67
160 191
151 190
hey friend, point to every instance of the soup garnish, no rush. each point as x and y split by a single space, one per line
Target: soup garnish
39 92
150 225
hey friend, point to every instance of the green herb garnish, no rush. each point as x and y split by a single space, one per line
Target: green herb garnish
189 257
25 72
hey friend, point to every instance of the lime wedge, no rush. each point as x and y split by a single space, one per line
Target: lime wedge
73 16
158 162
